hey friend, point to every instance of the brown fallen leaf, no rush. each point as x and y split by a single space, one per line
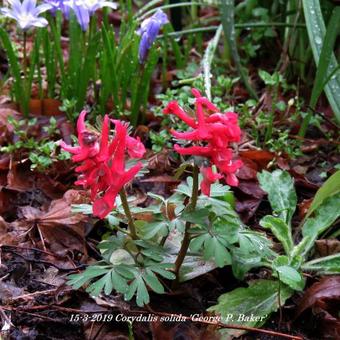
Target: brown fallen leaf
327 247
252 189
303 207
61 229
7 236
8 290
247 208
323 298
260 157
248 170
327 288
18 178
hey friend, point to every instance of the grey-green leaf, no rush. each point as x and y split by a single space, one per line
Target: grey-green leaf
281 192
324 217
316 31
328 189
324 265
260 299
208 59
281 231
291 277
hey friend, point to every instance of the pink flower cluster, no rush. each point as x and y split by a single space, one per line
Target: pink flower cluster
102 166
213 132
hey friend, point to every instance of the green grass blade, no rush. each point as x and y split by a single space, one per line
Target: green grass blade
208 59
55 25
323 52
14 65
227 17
179 57
34 61
141 91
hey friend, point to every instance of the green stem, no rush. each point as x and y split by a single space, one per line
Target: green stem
227 17
237 26
269 131
186 239
128 214
27 95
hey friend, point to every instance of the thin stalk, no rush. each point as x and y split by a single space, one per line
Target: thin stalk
164 7
128 214
237 26
186 239
279 299
27 95
269 131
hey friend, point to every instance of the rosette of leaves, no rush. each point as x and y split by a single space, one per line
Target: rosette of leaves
263 297
133 267
129 267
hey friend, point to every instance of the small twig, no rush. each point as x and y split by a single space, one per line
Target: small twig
222 325
5 317
32 249
42 238
46 262
44 317
32 295
279 299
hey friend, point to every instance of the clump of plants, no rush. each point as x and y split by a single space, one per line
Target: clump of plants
41 150
196 223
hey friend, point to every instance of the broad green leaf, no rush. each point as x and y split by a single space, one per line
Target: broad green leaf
121 256
214 247
151 279
258 300
197 216
326 214
328 189
131 291
287 274
291 277
152 229
324 265
163 269
193 266
316 32
243 261
119 283
324 217
253 251
220 190
281 231
281 193
185 188
95 288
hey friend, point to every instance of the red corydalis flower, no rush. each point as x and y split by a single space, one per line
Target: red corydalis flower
102 168
212 132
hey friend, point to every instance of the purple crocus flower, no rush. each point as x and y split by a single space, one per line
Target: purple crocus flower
26 13
148 31
84 9
58 5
